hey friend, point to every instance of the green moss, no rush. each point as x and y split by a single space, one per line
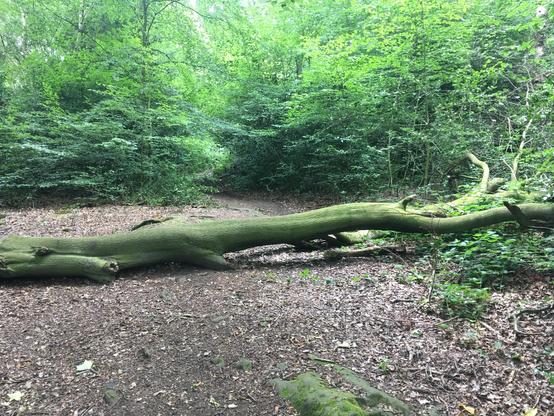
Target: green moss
311 397
203 244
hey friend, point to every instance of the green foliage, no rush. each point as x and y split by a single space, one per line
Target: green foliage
257 146
462 300
335 97
311 397
384 366
490 257
103 154
372 96
362 278
107 111
472 265
542 177
548 372
307 274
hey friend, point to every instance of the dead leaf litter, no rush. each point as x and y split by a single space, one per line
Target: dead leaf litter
179 340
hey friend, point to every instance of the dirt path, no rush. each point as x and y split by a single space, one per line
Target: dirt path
168 340
253 204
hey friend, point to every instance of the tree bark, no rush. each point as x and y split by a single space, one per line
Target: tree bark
484 167
519 153
203 244
310 395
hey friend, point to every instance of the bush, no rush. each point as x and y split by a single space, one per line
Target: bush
489 258
462 300
542 176
108 153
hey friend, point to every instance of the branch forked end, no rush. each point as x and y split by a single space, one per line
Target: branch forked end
518 214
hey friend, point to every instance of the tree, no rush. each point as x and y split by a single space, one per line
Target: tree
98 101
100 258
390 92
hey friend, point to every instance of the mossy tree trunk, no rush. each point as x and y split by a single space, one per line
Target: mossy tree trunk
310 395
487 192
203 244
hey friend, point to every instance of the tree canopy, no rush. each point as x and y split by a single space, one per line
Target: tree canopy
155 100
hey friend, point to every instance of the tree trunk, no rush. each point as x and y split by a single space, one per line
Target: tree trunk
203 244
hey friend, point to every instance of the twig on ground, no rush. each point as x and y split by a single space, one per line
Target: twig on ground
431 286
493 330
19 381
530 311
448 320
511 377
403 300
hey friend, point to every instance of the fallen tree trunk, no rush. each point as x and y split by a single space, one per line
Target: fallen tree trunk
203 244
366 252
486 193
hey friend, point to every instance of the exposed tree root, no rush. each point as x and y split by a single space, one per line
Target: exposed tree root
311 397
548 309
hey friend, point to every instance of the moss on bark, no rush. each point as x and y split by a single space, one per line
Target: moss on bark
311 397
203 244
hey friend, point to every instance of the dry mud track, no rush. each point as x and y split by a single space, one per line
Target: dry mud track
169 340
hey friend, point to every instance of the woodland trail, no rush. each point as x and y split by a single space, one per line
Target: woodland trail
252 204
172 339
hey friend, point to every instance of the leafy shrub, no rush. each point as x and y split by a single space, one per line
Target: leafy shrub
256 145
462 300
490 257
542 176
468 266
108 153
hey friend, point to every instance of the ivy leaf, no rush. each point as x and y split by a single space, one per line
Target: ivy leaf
85 366
16 396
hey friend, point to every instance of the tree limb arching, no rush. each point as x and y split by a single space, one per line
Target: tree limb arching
203 244
515 162
519 216
483 166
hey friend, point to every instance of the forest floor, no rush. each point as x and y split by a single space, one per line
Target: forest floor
179 340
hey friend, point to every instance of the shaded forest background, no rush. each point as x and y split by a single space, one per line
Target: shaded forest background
159 101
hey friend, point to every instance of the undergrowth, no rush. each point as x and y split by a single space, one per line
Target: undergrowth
463 270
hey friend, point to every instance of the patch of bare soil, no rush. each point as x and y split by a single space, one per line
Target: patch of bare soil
178 340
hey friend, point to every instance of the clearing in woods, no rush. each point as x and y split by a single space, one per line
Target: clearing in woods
180 340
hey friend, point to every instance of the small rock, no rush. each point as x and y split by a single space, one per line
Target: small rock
346 344
282 366
218 319
144 353
167 295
